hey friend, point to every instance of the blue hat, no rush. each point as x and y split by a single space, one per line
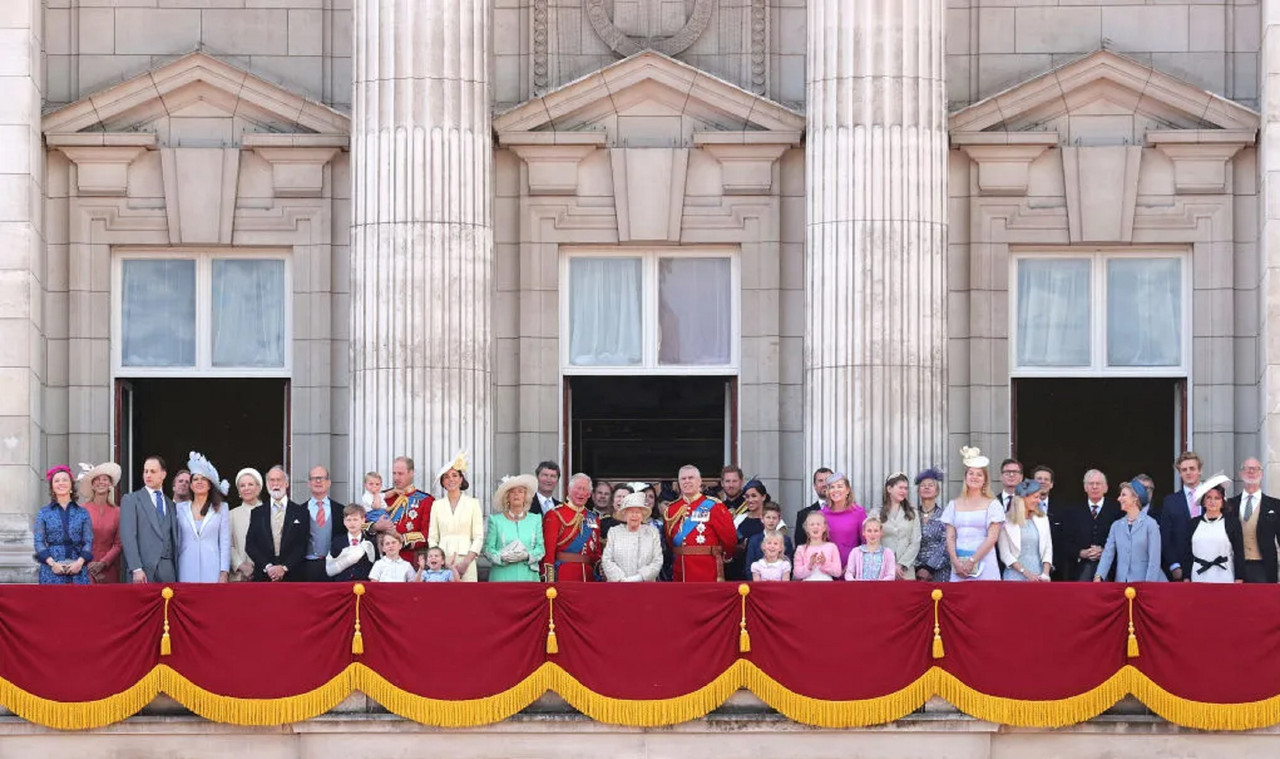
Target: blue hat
1026 488
1140 490
200 466
932 473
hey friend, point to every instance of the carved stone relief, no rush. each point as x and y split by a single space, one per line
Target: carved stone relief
628 42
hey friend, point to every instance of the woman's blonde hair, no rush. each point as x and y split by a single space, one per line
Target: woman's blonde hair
826 529
985 492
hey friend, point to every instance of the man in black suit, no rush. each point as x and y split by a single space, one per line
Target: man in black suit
279 533
820 476
1055 510
1176 513
548 474
1085 527
1010 477
1260 517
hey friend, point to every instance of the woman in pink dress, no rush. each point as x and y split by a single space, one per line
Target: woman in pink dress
97 487
844 516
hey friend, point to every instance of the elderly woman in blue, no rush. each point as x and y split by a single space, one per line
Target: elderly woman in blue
63 534
1133 545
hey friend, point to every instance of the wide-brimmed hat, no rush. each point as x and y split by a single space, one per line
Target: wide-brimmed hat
972 457
459 462
1218 480
89 473
199 466
526 481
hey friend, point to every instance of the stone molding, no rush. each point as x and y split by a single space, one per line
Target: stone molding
1200 156
1004 158
190 79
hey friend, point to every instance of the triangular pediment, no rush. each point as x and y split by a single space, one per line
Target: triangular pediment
196 86
1103 84
649 97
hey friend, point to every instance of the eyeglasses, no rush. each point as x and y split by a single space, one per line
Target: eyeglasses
1251 469
317 479
1011 471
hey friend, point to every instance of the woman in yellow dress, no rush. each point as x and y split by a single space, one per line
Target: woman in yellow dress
457 520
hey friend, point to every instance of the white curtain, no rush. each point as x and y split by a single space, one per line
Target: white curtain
695 311
1144 312
605 318
158 312
1053 312
248 312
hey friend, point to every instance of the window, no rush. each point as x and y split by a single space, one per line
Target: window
1107 313
185 313
650 312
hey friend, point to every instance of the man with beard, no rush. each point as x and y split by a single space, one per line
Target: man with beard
1260 518
408 509
700 531
279 532
571 534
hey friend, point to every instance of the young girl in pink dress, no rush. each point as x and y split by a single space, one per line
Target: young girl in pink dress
871 561
819 559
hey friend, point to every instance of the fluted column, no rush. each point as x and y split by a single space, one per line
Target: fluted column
421 236
875 267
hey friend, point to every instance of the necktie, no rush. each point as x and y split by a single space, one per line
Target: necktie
159 504
1094 509
355 541
1248 507
320 513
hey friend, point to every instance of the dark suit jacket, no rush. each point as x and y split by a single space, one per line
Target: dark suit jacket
1057 514
1175 532
294 539
149 542
1235 535
536 506
1268 510
1080 530
801 538
358 571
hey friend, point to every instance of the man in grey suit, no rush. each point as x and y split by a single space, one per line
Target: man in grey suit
149 528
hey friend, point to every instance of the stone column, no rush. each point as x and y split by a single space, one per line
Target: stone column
421 237
875 267
23 343
1269 252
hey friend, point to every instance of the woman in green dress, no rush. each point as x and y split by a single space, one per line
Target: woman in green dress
513 542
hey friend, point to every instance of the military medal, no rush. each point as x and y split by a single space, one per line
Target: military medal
408 525
413 513
700 539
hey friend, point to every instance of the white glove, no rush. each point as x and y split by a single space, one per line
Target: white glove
346 559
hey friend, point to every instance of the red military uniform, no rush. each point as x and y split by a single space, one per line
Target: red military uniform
702 535
572 539
410 512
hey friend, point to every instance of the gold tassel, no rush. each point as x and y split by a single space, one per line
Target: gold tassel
553 647
744 637
1132 651
357 640
166 647
938 653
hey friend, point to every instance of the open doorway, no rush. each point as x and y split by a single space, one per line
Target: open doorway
623 428
237 423
1123 427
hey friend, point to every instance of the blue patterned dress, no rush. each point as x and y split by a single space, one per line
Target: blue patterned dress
63 535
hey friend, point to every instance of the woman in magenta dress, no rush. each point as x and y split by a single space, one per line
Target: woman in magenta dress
844 516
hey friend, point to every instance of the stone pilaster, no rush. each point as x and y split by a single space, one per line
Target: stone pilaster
23 378
421 237
1269 267
875 266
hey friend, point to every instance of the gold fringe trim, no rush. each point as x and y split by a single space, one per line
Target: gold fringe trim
84 715
464 713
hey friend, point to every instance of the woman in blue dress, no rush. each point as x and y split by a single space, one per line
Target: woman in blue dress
63 534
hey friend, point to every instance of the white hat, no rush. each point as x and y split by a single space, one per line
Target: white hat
634 501
1210 484
89 473
972 457
199 466
458 462
526 481
254 473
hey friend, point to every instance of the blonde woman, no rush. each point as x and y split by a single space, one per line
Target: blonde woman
457 521
973 522
1025 545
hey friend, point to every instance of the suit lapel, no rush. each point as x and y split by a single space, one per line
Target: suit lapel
149 507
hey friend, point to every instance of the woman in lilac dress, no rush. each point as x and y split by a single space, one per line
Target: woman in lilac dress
973 523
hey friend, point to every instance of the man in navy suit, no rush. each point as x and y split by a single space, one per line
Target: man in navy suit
1176 513
279 534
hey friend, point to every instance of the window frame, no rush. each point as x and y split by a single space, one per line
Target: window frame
1098 313
203 366
649 271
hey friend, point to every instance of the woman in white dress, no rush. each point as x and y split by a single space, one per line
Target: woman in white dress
249 486
457 521
1217 538
973 523
204 526
633 552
